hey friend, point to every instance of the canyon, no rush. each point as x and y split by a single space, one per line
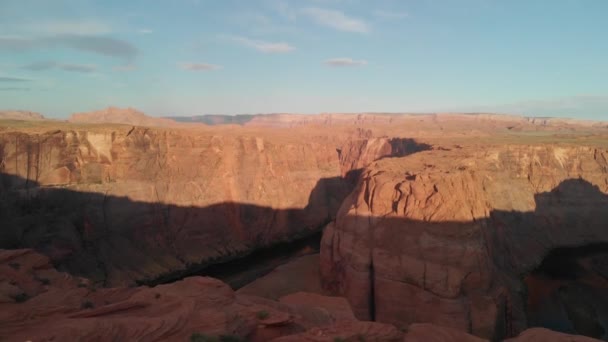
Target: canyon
433 225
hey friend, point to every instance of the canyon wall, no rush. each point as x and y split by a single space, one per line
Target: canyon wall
445 237
137 204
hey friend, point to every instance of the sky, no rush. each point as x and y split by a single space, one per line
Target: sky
193 57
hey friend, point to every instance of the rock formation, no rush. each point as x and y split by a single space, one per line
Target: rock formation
37 303
139 204
114 115
444 240
20 115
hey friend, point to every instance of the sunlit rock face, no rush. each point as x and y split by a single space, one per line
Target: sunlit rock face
121 204
446 237
135 204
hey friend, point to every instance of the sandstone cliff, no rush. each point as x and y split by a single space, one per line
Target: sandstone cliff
446 239
126 204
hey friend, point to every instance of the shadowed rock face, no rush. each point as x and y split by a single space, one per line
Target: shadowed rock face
431 238
136 204
567 292
38 303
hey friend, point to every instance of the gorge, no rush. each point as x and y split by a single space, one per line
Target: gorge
451 220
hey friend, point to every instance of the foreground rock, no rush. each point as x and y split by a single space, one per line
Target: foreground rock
300 275
546 335
443 240
37 303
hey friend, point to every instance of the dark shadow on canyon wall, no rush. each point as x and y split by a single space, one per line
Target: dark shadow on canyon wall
114 240
359 153
401 147
507 248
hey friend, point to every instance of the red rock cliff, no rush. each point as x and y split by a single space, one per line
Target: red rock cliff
125 204
440 236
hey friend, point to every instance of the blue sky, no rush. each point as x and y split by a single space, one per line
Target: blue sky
190 57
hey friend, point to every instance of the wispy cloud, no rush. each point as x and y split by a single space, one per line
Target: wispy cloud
285 10
390 14
336 19
567 106
13 79
344 62
145 31
14 89
107 46
41 66
125 68
83 27
199 66
263 46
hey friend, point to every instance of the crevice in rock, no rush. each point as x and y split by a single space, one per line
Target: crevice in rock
242 270
568 291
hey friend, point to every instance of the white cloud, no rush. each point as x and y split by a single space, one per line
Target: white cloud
145 31
199 66
345 62
336 20
390 14
263 46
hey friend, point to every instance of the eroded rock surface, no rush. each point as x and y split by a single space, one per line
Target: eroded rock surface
444 240
124 204
37 303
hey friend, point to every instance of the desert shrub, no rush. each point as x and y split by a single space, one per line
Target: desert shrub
44 281
87 304
22 297
263 314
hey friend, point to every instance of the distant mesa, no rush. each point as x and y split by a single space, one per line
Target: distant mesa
20 115
127 116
